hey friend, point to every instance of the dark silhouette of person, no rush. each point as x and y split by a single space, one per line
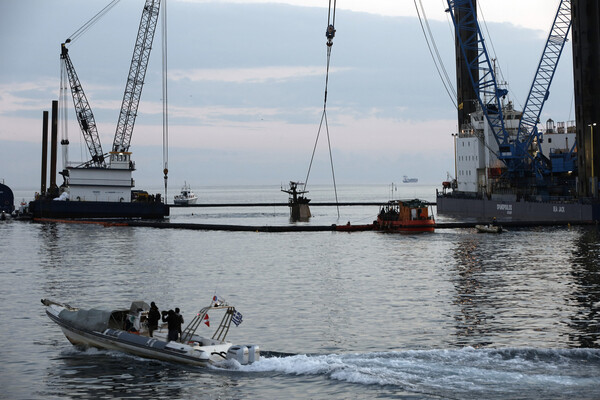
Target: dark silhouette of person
153 318
172 321
180 322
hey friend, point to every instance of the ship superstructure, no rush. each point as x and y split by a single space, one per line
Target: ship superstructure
509 164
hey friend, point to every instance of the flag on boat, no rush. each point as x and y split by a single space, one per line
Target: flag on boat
237 318
215 298
206 320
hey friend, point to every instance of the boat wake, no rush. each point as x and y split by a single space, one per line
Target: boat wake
489 373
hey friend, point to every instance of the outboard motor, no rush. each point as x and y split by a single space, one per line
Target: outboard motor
253 353
238 353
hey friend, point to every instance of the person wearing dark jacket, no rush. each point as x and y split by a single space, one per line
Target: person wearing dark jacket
172 321
180 321
153 318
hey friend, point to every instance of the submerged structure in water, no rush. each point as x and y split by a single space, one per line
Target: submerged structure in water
298 203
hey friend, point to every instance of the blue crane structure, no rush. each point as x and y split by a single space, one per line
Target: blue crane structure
517 153
540 90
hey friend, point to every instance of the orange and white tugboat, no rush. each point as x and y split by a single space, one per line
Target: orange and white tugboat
405 216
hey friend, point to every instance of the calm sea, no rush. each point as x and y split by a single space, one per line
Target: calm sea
451 314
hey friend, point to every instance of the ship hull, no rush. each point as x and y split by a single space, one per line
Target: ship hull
97 209
427 225
512 210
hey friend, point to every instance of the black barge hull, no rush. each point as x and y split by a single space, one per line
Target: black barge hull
97 209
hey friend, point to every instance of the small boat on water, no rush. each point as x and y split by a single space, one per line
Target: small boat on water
113 330
405 216
489 228
186 197
406 179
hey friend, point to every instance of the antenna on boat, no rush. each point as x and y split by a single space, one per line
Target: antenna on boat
329 34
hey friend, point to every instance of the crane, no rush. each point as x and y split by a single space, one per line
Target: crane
131 97
83 111
513 151
539 92
135 79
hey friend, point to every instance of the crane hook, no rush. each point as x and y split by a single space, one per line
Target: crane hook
330 34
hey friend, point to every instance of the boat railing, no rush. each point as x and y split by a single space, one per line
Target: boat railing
199 319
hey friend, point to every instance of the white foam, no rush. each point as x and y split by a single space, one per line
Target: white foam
463 370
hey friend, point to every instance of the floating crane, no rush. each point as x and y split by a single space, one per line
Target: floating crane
516 152
115 177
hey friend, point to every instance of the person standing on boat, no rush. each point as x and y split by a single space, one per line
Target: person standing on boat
180 320
172 321
153 318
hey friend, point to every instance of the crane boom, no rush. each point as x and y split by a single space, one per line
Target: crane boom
137 73
85 117
539 92
475 54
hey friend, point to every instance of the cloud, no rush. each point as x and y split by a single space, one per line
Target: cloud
24 96
249 75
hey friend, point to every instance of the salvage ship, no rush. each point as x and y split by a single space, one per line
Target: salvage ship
506 166
102 186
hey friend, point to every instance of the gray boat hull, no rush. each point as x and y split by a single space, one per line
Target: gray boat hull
505 209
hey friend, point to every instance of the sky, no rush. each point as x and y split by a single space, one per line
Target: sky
246 86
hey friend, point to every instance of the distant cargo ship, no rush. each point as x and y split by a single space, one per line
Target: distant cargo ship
406 179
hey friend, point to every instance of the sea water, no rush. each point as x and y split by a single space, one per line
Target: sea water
337 315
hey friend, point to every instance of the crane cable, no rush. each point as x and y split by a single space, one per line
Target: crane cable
165 99
75 35
437 59
329 34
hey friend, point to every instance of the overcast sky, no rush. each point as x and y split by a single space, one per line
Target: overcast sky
246 85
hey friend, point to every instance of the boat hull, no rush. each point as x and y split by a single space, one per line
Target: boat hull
130 343
427 225
185 202
506 209
97 209
488 229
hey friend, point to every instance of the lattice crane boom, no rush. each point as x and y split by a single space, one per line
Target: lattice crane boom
137 73
84 113
540 88
489 94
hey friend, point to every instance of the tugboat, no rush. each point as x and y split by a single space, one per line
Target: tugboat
299 210
405 216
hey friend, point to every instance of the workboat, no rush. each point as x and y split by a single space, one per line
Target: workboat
186 197
489 228
405 216
126 330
